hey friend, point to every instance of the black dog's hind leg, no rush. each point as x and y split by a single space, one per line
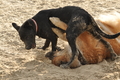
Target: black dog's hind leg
72 42
75 28
109 47
81 58
107 44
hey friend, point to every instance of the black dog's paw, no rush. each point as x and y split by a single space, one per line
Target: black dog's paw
44 48
65 66
50 55
114 56
58 48
82 60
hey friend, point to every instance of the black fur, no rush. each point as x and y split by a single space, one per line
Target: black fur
78 20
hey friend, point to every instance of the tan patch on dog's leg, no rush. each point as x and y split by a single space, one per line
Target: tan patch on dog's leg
58 23
59 34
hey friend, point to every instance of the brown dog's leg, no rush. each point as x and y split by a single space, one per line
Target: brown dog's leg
58 23
59 34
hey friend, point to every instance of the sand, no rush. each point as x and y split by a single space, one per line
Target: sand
16 63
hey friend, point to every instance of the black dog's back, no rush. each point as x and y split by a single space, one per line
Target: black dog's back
65 14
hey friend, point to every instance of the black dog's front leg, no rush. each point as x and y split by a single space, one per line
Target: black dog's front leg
46 45
51 53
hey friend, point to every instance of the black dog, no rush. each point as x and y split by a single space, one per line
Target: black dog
78 21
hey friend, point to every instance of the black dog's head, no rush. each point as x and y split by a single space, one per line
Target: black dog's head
27 34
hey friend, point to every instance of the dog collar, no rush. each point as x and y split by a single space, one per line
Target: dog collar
35 24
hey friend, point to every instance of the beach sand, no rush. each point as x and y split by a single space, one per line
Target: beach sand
17 63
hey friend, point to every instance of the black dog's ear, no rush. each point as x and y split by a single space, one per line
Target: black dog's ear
29 22
16 26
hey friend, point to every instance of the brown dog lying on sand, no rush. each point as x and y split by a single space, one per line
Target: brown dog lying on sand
92 49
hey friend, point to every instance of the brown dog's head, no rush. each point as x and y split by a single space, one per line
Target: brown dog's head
59 59
63 57
27 34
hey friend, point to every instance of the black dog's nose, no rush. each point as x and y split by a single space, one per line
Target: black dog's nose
27 47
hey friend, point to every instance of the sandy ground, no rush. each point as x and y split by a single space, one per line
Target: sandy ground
16 63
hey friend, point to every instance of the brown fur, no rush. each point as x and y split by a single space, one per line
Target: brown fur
111 21
92 49
64 57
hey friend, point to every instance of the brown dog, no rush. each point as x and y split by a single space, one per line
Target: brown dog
92 49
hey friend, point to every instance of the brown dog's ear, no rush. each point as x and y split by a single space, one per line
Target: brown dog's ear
16 26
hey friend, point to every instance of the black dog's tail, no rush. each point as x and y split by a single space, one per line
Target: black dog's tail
101 32
106 35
